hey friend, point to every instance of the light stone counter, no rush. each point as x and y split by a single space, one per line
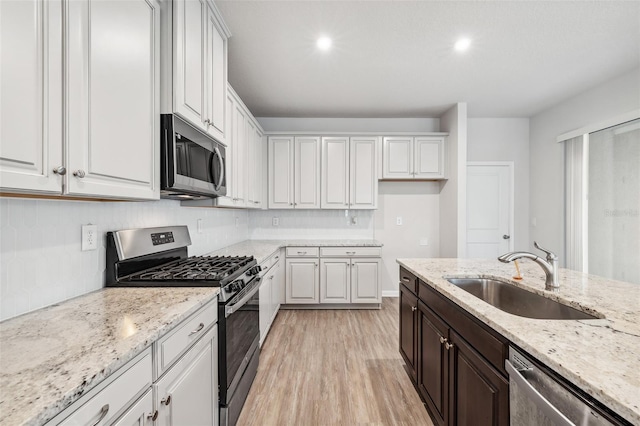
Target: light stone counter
51 357
600 356
262 249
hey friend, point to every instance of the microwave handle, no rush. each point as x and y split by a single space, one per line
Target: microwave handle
221 177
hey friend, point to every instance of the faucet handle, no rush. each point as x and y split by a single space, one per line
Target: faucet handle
550 255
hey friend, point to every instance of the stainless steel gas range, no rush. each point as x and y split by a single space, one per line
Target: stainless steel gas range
157 257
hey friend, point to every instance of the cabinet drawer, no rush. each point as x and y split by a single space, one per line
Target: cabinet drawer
270 262
350 251
302 251
409 280
489 343
103 407
170 347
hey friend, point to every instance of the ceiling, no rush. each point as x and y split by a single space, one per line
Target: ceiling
396 58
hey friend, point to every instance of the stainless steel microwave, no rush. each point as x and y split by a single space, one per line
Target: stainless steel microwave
192 163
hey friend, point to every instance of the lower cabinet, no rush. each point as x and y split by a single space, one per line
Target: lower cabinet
461 382
188 392
271 293
333 275
140 414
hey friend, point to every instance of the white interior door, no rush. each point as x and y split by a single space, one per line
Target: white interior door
489 209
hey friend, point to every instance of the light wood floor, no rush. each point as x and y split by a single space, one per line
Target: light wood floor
333 367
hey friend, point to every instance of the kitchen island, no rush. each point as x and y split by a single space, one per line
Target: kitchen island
600 356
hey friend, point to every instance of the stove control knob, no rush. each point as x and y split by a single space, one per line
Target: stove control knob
254 270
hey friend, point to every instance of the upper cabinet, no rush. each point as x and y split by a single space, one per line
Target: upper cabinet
294 172
198 53
90 131
421 157
349 173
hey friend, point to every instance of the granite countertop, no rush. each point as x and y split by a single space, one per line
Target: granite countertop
262 249
600 356
51 357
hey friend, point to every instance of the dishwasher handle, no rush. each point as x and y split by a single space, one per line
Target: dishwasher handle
540 401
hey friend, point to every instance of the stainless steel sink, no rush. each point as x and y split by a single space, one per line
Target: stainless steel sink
516 300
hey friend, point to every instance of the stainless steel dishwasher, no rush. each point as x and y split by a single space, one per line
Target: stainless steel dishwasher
538 397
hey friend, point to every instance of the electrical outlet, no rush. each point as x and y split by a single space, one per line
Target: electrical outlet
424 242
399 220
354 220
199 222
89 237
275 221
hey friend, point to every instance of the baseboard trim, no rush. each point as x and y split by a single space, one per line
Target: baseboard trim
390 293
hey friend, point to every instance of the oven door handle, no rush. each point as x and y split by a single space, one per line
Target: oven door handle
240 303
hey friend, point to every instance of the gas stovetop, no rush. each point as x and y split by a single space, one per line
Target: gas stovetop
217 269
157 257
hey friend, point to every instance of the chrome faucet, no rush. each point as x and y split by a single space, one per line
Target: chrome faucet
550 266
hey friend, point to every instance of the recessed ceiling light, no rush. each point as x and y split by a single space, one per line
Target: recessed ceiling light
462 44
324 43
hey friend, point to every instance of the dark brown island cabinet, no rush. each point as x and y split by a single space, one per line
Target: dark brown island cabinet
455 362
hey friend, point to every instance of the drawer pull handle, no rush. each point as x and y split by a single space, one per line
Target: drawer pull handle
271 277
442 339
167 400
351 252
405 279
302 252
415 308
154 416
448 345
103 413
197 330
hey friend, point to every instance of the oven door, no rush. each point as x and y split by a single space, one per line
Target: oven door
242 334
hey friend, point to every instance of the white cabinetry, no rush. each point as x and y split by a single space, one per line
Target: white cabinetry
271 292
349 173
140 414
419 157
110 109
347 275
31 101
199 67
188 393
294 172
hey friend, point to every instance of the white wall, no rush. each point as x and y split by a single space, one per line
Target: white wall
453 191
40 258
289 124
419 206
505 139
301 224
610 99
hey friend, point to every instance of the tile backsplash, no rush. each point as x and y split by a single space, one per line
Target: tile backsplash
301 224
40 258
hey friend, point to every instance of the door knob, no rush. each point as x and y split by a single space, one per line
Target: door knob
79 174
60 170
506 237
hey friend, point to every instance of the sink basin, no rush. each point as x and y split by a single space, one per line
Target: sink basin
516 300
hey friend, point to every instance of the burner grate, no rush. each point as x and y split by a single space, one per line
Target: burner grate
198 268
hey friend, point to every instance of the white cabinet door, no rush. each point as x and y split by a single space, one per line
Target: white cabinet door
281 172
189 52
335 173
307 172
188 392
216 76
31 101
429 158
140 414
259 167
240 150
397 158
302 281
265 306
365 281
277 288
112 95
363 175
334 280
251 163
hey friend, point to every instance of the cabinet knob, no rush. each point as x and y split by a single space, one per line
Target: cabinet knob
448 345
79 174
207 122
442 339
60 170
415 308
167 400
153 416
